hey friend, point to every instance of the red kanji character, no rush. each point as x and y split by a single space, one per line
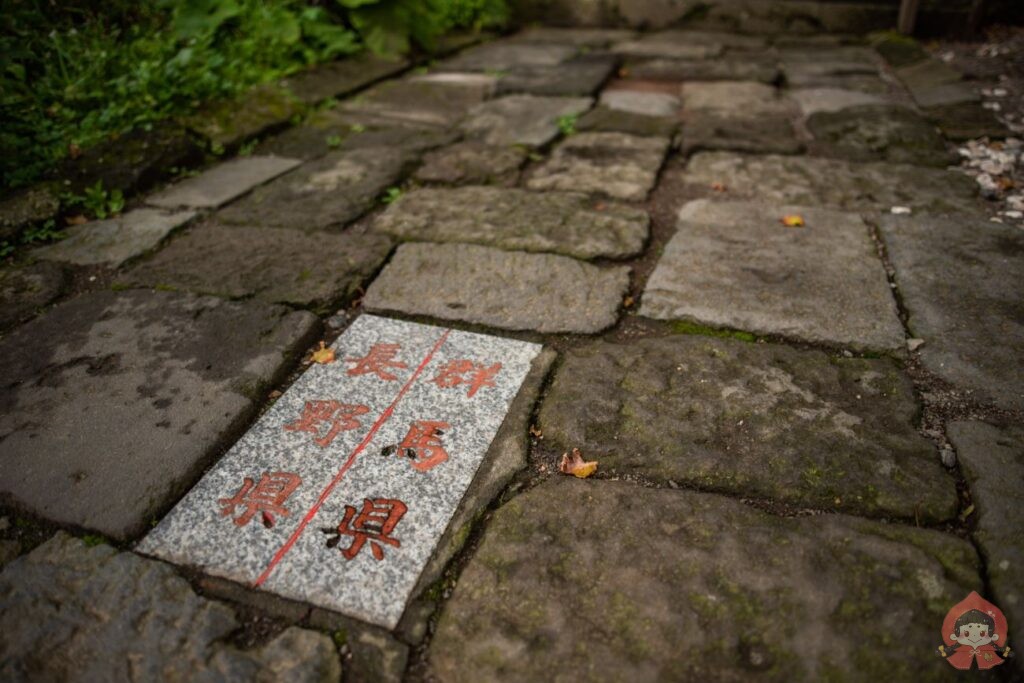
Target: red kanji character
374 523
423 442
380 358
268 497
453 374
342 417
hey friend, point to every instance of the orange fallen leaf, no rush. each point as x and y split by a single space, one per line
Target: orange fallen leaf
628 301
719 187
576 466
76 220
535 431
623 72
793 221
323 355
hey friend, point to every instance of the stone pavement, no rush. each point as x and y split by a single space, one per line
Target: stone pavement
299 415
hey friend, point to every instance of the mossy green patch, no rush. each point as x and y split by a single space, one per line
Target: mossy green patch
687 327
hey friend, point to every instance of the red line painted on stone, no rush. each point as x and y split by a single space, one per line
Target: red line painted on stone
384 416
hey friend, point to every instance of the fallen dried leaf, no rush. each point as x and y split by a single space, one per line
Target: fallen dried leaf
576 466
719 187
623 72
323 355
275 394
535 431
628 301
76 220
793 221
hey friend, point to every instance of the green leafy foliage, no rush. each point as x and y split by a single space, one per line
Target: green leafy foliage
96 201
567 124
73 74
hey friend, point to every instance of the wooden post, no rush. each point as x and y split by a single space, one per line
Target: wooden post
908 16
977 17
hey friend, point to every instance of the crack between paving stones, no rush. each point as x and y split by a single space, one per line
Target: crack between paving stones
384 417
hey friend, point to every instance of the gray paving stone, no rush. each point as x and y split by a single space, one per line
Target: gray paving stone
507 55
738 68
341 77
816 100
959 278
731 41
117 240
521 119
866 83
932 83
26 289
945 95
271 264
228 123
75 613
577 77
735 265
222 183
25 207
742 99
332 129
399 438
761 420
9 550
811 181
967 121
330 191
508 290
616 164
640 102
581 580
992 460
664 47
470 162
512 219
879 133
717 130
603 119
816 61
423 101
114 401
584 37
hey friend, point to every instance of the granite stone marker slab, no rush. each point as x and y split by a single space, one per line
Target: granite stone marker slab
114 241
222 183
735 265
340 493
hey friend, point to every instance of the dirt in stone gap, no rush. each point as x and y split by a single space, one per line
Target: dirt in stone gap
995 66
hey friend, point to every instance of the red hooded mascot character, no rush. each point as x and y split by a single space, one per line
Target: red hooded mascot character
974 633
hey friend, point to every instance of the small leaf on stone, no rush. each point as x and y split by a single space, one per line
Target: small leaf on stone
323 355
967 512
576 465
719 187
793 221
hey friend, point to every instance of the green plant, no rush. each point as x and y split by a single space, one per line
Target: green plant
334 141
96 201
567 124
391 195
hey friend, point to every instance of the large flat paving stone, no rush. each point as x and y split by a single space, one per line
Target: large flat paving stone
619 165
814 60
332 129
434 102
507 55
736 98
471 162
271 264
736 265
817 100
222 183
117 240
582 37
606 119
577 77
521 119
740 116
992 459
230 122
330 191
595 580
114 401
505 289
761 69
639 102
933 83
26 289
666 47
959 278
402 421
812 181
878 132
761 420
558 222
79 613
